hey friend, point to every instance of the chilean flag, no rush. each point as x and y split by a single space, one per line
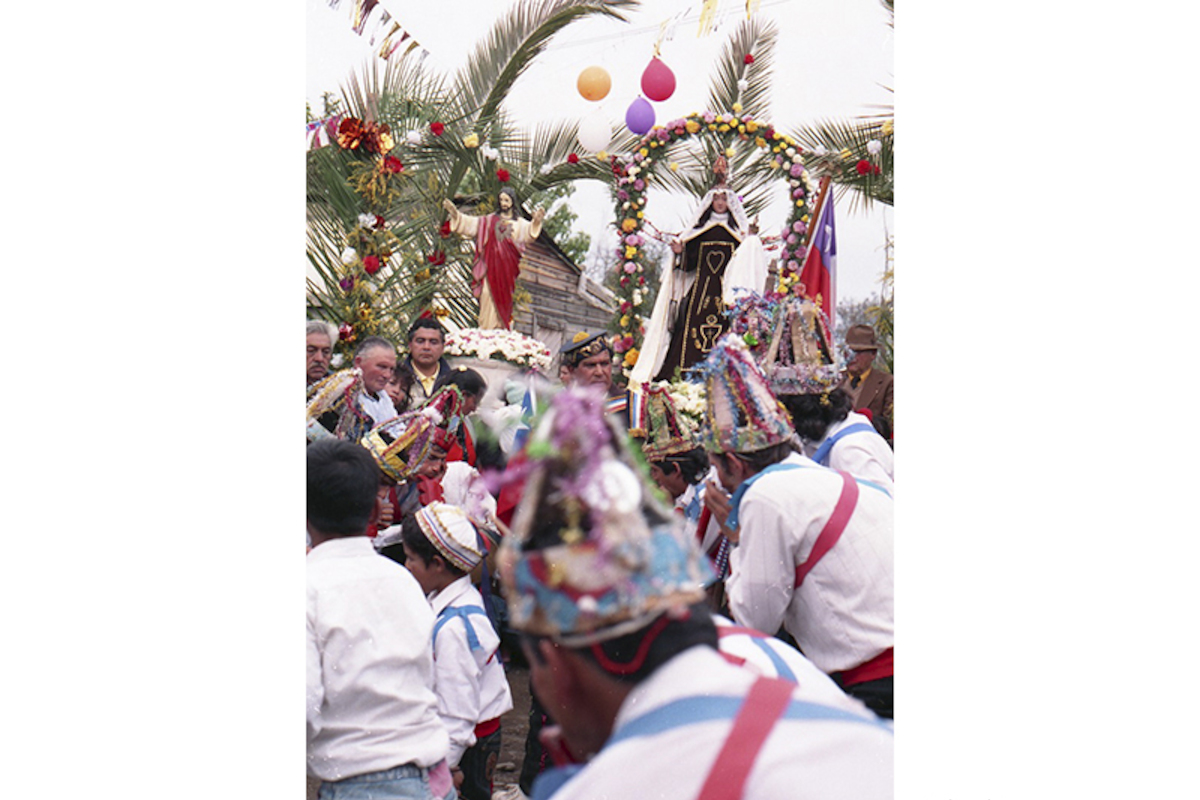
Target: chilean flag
819 273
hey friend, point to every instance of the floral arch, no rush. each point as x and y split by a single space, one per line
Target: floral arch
633 177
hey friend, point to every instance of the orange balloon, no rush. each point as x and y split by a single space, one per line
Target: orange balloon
594 83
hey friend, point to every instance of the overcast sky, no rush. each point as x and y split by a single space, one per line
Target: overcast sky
832 61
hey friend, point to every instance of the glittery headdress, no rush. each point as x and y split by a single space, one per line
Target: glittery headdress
402 444
742 415
801 358
667 433
446 403
592 554
334 401
584 346
451 533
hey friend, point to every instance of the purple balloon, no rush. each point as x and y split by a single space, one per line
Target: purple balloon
640 116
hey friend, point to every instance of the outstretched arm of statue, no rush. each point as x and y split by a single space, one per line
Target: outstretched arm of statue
535 228
460 223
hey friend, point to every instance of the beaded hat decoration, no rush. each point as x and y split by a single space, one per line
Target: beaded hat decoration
667 433
584 346
741 414
592 554
445 405
334 401
451 533
801 358
402 444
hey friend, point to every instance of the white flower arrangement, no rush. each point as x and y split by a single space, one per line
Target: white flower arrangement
499 345
690 400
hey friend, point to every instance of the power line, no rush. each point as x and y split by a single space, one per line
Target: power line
647 29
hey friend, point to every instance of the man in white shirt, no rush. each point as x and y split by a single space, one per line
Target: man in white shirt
372 720
376 357
814 547
607 591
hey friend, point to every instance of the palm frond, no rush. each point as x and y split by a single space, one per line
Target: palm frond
514 41
756 37
846 143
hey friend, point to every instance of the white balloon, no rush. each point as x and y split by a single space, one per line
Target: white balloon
595 132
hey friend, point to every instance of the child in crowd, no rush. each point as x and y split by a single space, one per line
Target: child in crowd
441 548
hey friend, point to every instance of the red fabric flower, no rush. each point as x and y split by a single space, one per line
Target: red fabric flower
626 307
444 231
392 164
572 159
863 167
379 221
371 264
437 258
502 174
437 128
749 59
875 170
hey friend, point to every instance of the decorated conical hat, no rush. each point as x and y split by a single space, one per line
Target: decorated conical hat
401 444
742 415
667 432
592 553
337 393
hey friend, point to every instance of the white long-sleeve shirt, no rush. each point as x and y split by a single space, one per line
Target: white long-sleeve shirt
470 684
864 454
370 700
843 754
842 616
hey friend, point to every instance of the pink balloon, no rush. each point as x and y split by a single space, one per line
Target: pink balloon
658 82
640 116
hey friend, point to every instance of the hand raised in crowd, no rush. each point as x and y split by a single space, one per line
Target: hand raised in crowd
717 501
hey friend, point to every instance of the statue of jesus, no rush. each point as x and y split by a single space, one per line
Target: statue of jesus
500 239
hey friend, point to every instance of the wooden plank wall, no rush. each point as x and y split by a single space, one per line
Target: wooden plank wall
557 310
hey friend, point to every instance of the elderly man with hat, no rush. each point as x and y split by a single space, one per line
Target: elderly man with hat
607 592
587 361
869 388
814 545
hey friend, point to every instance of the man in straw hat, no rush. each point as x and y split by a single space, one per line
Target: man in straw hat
607 591
372 721
814 546
868 387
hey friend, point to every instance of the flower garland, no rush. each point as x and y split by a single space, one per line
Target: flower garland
499 345
634 176
370 244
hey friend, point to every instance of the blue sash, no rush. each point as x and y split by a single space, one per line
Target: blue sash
735 502
822 454
462 612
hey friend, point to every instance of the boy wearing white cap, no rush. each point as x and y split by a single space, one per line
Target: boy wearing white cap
441 547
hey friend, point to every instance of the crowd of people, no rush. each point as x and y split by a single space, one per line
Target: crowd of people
704 611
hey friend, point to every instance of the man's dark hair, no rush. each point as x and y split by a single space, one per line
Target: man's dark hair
343 480
633 657
811 417
425 322
760 459
418 544
372 342
468 380
693 465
